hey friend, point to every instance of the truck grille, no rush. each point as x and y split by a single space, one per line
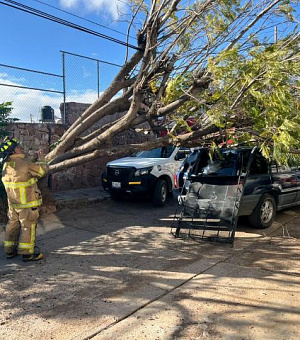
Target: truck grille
120 174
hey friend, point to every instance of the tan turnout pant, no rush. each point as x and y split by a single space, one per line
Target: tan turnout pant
20 230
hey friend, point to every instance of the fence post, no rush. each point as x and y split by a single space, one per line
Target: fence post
64 88
98 77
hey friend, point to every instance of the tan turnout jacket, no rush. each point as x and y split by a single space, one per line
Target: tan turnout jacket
19 177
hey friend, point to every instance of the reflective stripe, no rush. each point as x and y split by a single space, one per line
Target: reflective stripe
33 228
41 172
17 185
9 243
29 245
25 245
31 204
23 195
23 199
131 183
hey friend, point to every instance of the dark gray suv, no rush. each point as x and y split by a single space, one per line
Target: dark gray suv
264 187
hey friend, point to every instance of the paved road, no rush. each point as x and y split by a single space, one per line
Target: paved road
114 271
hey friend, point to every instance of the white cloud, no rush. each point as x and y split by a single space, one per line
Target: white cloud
107 7
69 3
9 79
27 104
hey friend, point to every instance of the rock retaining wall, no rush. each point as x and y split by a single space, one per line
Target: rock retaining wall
35 136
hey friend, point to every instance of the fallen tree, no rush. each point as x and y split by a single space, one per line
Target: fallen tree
214 60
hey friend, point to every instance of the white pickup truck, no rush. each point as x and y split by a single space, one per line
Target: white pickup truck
146 172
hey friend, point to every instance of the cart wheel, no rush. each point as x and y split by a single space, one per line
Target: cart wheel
177 232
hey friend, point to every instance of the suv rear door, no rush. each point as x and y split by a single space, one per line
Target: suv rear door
257 183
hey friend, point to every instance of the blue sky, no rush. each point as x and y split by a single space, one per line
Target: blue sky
31 42
34 42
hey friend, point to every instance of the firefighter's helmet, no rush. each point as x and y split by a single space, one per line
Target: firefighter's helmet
7 148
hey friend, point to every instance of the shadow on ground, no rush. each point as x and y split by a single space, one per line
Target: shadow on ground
106 261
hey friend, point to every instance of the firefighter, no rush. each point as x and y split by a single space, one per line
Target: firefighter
19 177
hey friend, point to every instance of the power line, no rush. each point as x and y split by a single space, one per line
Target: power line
87 20
30 10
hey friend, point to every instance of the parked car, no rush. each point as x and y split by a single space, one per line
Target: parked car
146 172
267 187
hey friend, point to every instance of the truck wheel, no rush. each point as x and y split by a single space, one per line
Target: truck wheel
264 213
160 193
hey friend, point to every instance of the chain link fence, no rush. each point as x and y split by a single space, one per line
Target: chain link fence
86 78
36 94
29 91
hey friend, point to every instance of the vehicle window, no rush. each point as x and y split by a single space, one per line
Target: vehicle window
274 168
163 152
283 168
259 165
190 161
182 153
245 160
223 163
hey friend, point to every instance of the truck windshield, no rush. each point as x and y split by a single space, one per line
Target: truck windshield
222 163
164 152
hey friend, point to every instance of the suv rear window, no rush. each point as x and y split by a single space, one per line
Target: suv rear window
259 165
222 163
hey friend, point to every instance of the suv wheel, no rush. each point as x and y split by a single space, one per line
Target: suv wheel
160 193
264 213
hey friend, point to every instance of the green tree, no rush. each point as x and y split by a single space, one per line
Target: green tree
258 95
213 59
5 111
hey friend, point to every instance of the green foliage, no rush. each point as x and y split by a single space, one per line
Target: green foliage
256 93
54 145
5 110
259 91
177 87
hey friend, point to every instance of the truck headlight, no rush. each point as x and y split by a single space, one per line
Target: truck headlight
143 171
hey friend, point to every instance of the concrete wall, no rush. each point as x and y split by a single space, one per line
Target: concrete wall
35 136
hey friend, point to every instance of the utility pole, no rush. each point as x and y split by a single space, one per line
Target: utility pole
275 34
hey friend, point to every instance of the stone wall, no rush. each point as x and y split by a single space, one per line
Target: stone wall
35 136
74 110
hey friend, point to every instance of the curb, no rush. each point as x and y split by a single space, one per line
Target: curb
79 197
76 202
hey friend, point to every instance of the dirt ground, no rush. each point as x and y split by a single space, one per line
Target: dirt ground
114 271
